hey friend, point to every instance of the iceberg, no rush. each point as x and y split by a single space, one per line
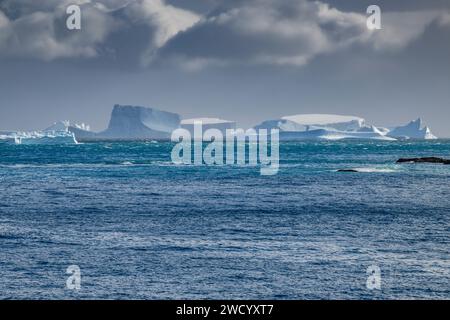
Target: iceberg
141 123
324 127
413 130
208 123
65 126
337 127
55 134
44 137
338 122
330 134
58 126
134 122
81 131
306 122
126 123
7 138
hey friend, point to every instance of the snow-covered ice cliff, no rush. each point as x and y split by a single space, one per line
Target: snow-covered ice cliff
336 127
133 122
208 123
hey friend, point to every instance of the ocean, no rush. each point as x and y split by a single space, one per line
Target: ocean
140 227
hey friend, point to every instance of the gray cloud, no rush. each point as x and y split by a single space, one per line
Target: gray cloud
290 32
401 28
268 32
39 32
164 22
141 32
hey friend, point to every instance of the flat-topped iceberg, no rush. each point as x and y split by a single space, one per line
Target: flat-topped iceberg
337 127
134 122
332 134
208 123
308 122
338 122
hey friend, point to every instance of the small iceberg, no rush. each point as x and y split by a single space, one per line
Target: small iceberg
42 137
7 138
413 130
58 133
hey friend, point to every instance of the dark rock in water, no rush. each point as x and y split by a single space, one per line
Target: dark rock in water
424 160
347 170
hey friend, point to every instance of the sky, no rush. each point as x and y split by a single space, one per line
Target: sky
242 60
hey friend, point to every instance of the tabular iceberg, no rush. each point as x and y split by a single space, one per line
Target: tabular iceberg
337 127
208 123
134 122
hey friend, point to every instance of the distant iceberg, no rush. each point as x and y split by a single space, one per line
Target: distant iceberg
208 123
57 133
43 137
126 123
331 134
413 130
134 122
141 123
65 125
337 127
81 131
337 122
7 138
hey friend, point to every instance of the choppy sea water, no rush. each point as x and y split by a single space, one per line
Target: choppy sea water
140 227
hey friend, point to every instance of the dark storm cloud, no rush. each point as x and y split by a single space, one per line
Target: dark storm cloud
141 32
291 32
267 32
37 30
